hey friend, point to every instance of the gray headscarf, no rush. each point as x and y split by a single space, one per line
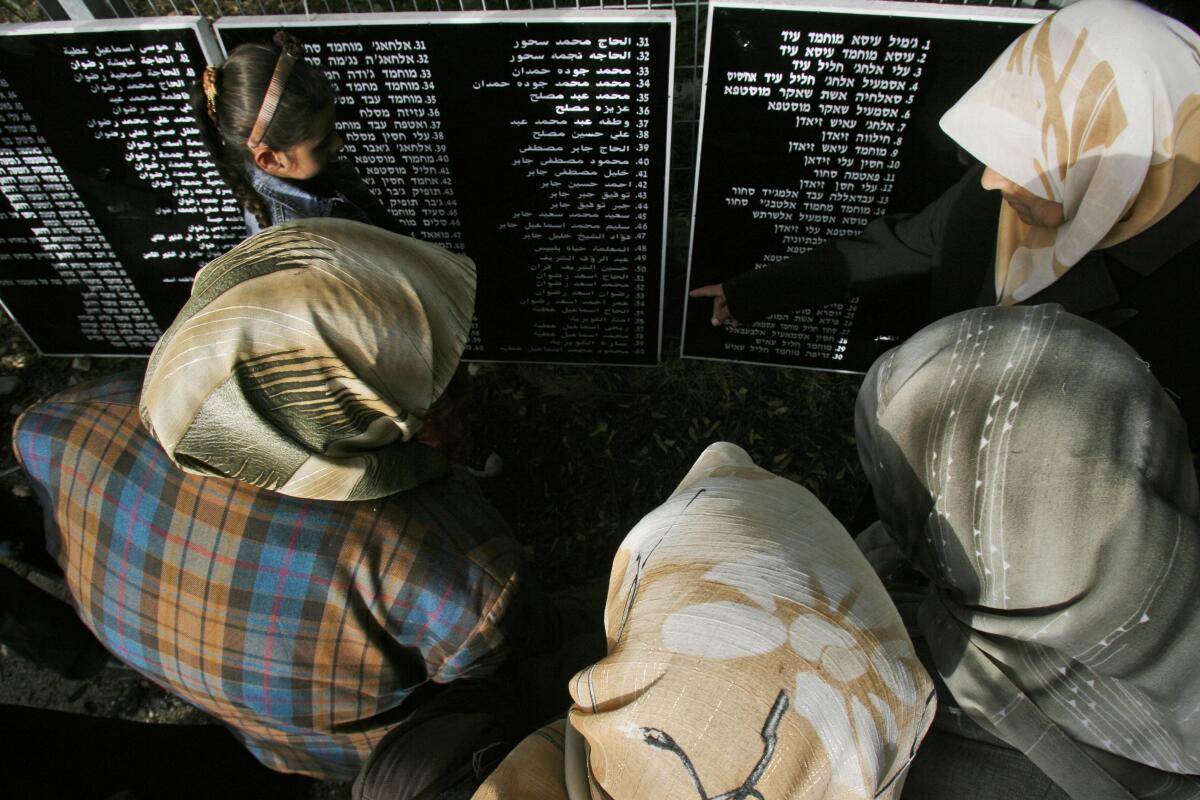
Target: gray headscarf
1032 467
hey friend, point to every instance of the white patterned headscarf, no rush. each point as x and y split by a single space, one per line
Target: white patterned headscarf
752 653
1031 466
1098 108
306 360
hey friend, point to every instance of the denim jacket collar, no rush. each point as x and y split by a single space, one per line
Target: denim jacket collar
287 200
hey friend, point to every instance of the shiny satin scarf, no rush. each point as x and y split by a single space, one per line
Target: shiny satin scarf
1098 108
1028 463
306 360
752 652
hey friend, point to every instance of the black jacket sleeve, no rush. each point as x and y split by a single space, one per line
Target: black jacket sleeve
889 251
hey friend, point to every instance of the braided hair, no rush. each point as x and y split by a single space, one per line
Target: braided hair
226 102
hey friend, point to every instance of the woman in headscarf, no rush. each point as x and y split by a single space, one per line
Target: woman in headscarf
1088 129
306 361
752 653
275 545
1028 464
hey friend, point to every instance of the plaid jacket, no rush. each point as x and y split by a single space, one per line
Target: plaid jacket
299 623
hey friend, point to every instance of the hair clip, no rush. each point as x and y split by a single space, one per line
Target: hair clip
209 80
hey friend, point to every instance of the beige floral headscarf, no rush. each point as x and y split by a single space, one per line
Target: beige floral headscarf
1098 108
752 653
307 357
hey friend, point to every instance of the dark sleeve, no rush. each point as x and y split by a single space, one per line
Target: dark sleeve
345 178
890 250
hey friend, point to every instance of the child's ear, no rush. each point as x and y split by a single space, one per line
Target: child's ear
272 162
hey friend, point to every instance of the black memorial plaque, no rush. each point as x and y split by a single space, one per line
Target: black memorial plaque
536 143
816 119
110 203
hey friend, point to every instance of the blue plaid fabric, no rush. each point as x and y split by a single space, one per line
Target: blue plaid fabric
299 623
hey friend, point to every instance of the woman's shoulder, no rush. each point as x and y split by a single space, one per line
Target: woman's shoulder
1162 241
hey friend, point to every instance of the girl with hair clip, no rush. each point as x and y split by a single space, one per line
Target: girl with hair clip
268 118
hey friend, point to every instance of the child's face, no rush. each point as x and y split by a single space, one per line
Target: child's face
307 158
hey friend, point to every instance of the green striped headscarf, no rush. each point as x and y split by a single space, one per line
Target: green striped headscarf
1030 465
306 360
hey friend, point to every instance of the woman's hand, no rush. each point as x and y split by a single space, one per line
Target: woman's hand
720 309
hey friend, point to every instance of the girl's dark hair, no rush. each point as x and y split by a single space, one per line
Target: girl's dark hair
241 84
